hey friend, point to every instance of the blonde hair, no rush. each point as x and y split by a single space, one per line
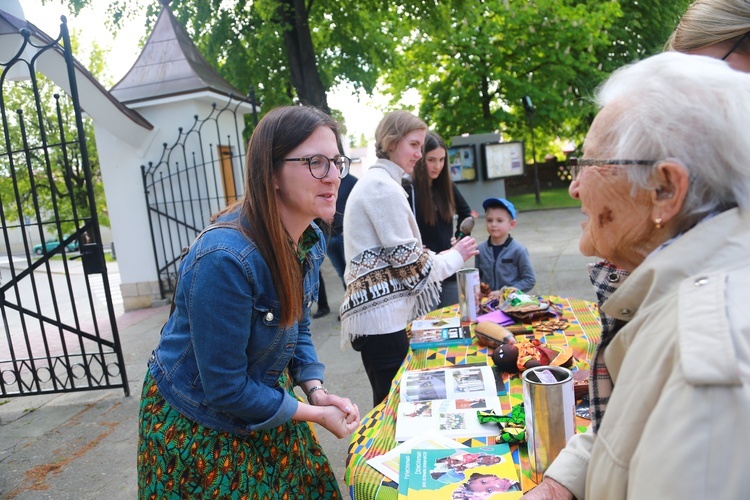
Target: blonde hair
708 22
392 128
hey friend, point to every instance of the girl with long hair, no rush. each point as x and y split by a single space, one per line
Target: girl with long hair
436 200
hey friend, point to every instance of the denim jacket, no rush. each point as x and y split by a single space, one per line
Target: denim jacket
222 351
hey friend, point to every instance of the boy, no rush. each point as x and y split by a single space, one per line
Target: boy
502 261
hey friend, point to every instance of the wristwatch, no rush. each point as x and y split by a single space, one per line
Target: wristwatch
313 389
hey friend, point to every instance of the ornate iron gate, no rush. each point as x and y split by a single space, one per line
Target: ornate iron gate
59 327
196 176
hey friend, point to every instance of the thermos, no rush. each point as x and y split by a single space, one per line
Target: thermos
468 293
549 404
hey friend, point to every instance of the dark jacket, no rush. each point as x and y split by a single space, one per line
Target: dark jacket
512 267
438 237
347 183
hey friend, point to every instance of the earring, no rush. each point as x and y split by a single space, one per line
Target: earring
657 223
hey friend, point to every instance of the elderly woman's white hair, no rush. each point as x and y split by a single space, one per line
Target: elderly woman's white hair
694 109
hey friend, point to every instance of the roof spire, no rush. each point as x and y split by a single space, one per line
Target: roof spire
169 65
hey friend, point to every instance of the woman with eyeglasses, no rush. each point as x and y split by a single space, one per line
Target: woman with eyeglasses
218 416
390 278
715 28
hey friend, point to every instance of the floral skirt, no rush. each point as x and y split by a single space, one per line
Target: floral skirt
179 458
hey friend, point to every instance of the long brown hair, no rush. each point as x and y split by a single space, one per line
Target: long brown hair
280 131
443 204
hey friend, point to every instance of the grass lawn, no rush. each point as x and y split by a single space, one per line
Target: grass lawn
550 198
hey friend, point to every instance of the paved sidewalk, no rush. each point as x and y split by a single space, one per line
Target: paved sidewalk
83 445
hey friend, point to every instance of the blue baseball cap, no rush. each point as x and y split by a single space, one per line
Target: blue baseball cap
502 203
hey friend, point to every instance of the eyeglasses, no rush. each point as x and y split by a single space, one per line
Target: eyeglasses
735 46
578 165
319 165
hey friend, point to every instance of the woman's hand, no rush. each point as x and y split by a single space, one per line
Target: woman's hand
467 247
320 398
338 415
337 422
549 489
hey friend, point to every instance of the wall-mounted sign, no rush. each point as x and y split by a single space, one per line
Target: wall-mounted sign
462 162
503 159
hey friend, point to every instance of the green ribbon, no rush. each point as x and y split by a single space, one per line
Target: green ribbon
512 426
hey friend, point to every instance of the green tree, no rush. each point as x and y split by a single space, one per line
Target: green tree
290 50
41 170
473 62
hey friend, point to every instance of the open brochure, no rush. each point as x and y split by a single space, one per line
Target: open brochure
388 463
446 401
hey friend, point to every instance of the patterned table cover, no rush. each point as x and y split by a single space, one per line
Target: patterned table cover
376 433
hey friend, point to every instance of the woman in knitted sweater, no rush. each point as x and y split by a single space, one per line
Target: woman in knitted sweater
390 278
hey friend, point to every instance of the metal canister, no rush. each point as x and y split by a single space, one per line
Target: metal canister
549 404
468 293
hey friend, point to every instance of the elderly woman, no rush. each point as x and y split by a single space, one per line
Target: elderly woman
665 184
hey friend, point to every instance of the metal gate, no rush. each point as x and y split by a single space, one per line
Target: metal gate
196 176
59 327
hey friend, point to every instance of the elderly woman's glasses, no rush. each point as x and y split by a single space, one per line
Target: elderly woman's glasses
319 165
578 165
735 46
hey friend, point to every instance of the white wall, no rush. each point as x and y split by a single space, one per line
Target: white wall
124 189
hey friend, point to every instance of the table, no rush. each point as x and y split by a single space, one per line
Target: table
375 435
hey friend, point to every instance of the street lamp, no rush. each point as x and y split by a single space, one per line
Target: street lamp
529 107
252 102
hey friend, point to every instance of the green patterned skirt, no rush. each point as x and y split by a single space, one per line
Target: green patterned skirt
179 458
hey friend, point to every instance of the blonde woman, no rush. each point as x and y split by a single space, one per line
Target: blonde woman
715 28
390 278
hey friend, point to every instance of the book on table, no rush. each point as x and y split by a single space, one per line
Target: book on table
388 463
461 473
432 332
446 401
404 476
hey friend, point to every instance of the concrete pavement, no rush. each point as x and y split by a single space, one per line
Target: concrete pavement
83 445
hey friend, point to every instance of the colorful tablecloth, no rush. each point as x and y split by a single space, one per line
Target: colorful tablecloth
376 433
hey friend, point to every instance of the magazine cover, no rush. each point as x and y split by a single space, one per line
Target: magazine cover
446 401
436 337
426 323
404 475
388 463
463 474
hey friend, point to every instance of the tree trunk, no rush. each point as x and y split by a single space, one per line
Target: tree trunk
301 54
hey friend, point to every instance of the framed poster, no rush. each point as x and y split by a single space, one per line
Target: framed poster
503 159
462 162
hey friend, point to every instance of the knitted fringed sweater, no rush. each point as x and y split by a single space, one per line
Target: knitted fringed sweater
390 279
